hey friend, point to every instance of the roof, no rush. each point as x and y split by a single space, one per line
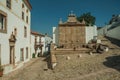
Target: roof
36 33
71 24
28 4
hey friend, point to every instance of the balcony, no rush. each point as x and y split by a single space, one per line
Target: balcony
38 44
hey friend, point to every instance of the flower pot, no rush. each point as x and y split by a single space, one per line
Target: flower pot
1 73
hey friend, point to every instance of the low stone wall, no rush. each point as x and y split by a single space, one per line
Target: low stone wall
61 51
70 51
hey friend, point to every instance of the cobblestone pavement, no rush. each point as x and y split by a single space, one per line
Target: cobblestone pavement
31 71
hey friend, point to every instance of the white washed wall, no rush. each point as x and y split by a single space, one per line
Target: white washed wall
43 43
45 40
14 20
4 49
55 35
91 31
103 30
114 33
32 44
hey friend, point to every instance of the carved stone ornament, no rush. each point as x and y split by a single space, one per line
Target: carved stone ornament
12 38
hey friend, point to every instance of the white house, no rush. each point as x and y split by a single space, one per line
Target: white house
15 21
111 30
40 44
46 41
36 44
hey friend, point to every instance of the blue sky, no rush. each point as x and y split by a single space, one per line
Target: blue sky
46 13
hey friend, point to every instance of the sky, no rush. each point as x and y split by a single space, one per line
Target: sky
46 14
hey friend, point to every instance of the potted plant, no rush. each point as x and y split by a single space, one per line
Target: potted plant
1 71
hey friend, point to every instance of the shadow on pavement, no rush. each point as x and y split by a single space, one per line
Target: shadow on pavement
113 62
47 59
114 41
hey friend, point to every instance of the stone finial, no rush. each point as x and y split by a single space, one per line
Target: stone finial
72 17
83 21
60 22
71 13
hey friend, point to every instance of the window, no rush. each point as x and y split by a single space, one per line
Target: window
15 31
3 21
27 16
27 11
21 54
27 19
26 52
25 31
22 6
22 15
8 3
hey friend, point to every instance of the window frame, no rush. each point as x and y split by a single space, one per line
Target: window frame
5 22
27 52
21 54
27 21
23 15
9 4
25 31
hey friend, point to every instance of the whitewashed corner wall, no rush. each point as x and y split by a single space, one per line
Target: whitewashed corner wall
114 32
91 31
32 44
14 20
55 35
110 32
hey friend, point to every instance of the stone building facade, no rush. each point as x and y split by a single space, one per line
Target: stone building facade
71 33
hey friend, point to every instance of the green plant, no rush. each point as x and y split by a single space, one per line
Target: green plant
1 68
1 71
33 55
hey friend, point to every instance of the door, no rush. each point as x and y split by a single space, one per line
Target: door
0 54
21 54
12 55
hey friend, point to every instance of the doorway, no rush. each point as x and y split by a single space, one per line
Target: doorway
0 54
12 55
